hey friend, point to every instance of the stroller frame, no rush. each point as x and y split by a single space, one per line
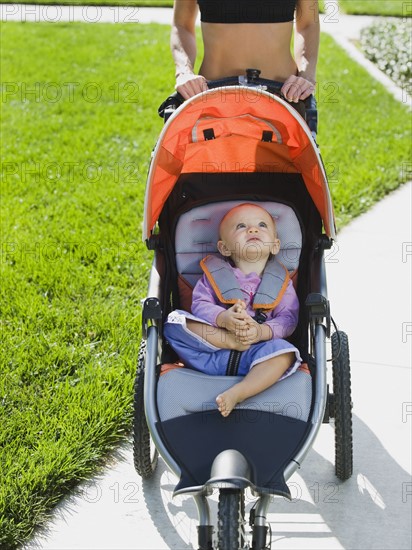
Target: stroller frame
230 471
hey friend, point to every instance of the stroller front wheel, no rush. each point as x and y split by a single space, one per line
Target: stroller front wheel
231 519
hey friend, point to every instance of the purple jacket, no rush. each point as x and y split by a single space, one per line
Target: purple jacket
282 320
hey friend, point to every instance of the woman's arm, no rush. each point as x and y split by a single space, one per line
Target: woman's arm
307 32
306 46
183 47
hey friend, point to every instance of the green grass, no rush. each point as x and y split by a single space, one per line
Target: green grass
142 3
398 8
79 122
73 267
354 7
364 134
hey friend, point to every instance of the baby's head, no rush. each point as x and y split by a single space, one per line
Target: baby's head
248 232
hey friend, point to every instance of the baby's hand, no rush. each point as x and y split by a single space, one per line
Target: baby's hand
239 307
233 318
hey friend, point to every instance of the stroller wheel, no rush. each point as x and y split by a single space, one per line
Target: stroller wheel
144 453
342 405
231 519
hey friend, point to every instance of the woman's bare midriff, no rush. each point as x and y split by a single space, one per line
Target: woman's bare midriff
231 49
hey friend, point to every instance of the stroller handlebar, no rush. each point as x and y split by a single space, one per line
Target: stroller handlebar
306 108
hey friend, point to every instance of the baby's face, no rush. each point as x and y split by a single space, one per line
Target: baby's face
246 230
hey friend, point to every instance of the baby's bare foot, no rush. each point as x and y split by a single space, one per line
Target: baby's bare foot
232 342
226 402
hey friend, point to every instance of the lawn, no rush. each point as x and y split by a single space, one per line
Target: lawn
376 7
78 125
398 8
80 128
143 3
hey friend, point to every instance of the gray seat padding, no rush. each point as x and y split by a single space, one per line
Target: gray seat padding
184 391
197 233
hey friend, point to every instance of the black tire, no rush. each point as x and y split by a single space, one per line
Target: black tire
231 519
144 453
342 405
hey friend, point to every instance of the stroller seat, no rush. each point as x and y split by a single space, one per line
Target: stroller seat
186 398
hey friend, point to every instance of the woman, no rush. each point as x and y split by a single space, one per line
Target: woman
242 34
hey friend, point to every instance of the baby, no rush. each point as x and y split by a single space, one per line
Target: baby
204 341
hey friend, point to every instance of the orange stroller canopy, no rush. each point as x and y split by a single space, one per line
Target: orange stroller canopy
235 129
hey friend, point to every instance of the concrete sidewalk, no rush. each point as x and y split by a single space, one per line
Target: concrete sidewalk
369 277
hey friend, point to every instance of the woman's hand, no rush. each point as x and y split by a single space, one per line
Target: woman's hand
297 87
189 84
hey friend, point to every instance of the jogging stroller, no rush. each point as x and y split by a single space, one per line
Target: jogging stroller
237 142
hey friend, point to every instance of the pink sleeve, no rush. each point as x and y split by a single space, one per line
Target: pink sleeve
205 304
284 318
